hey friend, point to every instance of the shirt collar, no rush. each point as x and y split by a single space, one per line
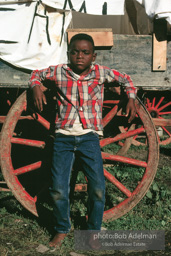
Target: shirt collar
87 76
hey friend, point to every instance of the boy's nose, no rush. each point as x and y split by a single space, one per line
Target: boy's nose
80 54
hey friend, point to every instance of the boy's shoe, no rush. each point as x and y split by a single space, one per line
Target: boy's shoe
57 239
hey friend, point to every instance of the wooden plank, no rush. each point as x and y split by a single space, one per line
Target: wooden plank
159 45
159 54
102 37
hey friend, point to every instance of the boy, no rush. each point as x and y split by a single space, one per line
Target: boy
79 88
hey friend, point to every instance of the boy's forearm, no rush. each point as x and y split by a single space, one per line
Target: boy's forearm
130 110
35 79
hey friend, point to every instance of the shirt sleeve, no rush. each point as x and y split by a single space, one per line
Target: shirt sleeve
38 76
124 80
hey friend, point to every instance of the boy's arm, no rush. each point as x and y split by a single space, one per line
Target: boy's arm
131 91
35 83
125 81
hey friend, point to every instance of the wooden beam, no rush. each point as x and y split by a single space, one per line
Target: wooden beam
102 37
159 45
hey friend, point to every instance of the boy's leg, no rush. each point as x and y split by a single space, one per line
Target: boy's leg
62 162
90 154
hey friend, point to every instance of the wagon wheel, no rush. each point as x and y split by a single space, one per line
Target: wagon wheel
24 145
27 180
160 111
145 165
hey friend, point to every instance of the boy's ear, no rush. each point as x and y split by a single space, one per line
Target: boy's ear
94 56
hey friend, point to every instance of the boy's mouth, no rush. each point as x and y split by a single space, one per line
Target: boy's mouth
79 63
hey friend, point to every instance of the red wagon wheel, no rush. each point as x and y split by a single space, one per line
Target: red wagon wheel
160 110
144 160
24 155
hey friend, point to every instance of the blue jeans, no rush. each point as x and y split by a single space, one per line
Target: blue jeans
87 149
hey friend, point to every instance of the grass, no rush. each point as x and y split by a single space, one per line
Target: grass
21 233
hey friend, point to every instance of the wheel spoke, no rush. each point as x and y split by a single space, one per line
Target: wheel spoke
127 143
160 101
118 184
26 142
121 136
164 113
123 159
135 137
137 143
111 102
41 120
35 199
162 122
153 103
110 115
164 128
164 106
148 103
27 168
28 117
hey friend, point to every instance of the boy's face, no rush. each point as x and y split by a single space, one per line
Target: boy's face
81 55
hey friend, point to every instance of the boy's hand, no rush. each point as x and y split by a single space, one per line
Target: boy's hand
130 110
39 98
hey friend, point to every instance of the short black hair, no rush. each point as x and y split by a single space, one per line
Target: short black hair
82 36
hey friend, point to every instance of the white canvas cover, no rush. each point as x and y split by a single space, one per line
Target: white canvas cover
115 7
157 9
33 41
91 7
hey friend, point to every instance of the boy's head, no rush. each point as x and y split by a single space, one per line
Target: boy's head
81 53
82 36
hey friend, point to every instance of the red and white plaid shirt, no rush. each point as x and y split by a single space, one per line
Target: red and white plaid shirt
81 96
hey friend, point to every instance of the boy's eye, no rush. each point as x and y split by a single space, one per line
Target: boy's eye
86 52
73 52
